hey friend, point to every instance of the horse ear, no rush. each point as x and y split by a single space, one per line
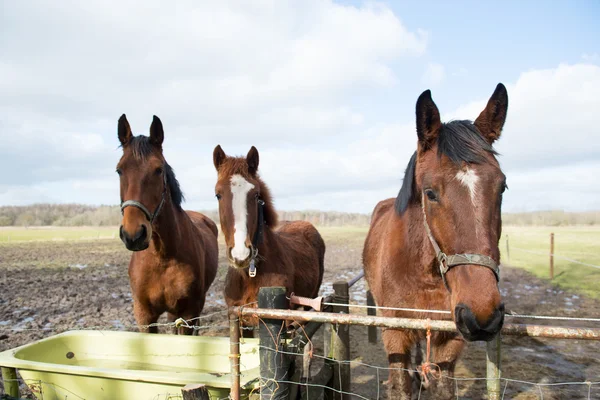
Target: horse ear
124 131
218 156
252 160
157 134
428 120
492 118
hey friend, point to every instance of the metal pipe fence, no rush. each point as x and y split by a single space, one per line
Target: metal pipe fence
339 361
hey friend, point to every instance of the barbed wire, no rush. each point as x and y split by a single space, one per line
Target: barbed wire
378 368
179 322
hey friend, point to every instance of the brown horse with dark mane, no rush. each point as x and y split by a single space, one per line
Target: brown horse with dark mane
435 246
175 252
259 255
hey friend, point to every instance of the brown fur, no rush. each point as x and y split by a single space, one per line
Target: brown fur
291 255
399 260
180 262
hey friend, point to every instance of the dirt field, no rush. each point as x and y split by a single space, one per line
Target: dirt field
48 287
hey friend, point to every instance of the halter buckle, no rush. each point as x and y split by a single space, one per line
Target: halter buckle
443 259
252 269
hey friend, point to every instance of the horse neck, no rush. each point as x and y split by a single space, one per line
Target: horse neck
268 248
169 228
420 252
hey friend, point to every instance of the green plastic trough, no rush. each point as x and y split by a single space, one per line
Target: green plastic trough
128 365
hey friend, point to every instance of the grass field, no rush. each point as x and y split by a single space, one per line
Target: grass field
44 233
529 248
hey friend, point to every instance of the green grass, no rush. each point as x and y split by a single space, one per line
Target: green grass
580 243
530 247
21 234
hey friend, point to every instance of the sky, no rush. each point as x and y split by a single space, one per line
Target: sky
325 90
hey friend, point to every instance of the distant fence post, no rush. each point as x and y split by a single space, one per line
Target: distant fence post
274 365
372 330
507 251
552 255
493 367
340 343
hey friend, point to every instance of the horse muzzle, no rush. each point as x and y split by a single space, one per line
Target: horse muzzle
136 242
471 329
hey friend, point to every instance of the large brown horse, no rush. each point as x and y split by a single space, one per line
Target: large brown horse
436 245
175 252
291 256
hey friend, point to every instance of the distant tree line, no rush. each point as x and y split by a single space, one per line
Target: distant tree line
552 218
83 215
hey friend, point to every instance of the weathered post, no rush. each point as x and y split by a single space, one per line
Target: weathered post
552 255
11 384
493 367
274 365
340 343
195 391
371 330
234 356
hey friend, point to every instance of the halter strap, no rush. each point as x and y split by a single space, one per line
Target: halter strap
149 216
448 262
258 236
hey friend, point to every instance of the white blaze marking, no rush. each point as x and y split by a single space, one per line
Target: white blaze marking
469 178
239 190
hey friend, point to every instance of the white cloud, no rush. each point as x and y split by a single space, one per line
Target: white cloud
593 58
434 75
276 75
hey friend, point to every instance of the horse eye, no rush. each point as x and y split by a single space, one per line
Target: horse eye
256 195
431 195
504 187
218 196
119 171
158 171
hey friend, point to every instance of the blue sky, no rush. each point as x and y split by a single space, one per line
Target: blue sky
481 43
325 90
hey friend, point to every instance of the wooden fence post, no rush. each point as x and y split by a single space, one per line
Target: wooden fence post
274 365
11 384
493 367
195 391
371 330
234 356
340 344
552 255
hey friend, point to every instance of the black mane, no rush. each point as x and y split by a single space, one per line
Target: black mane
460 141
142 147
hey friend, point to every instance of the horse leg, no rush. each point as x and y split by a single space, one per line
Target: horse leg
397 346
144 316
171 319
446 350
417 383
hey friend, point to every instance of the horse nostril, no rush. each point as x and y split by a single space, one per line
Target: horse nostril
121 233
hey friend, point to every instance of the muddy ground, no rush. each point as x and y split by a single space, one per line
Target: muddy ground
50 287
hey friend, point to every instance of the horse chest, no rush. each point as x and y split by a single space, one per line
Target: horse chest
163 287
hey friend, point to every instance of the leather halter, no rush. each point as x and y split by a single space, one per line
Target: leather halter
149 216
258 236
448 262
